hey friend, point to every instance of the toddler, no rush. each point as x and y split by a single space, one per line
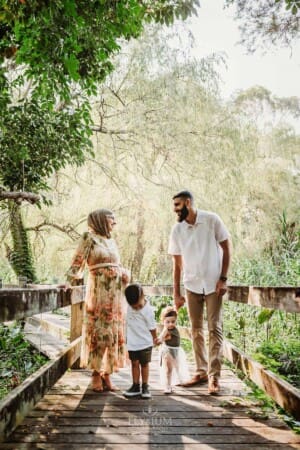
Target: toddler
141 335
173 364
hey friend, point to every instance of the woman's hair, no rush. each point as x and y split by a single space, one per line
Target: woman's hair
168 311
97 221
133 292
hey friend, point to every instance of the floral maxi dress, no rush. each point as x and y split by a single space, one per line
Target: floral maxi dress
103 343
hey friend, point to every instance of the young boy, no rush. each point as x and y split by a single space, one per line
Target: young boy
141 335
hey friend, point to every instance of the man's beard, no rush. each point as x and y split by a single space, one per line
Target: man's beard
184 212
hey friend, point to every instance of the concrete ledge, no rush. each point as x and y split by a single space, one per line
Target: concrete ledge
55 324
44 342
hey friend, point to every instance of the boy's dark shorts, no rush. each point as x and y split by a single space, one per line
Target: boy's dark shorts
143 356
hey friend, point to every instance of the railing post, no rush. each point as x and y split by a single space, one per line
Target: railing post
77 297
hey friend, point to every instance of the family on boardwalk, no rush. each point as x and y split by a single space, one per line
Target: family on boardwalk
114 328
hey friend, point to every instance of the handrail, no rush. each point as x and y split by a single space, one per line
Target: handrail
18 303
286 298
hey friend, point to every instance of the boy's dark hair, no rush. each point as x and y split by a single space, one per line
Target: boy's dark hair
184 194
133 292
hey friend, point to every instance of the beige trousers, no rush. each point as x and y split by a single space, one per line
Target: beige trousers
195 305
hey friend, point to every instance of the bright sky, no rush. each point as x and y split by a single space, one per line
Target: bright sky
216 31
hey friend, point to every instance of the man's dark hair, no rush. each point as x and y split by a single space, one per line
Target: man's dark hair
132 293
184 194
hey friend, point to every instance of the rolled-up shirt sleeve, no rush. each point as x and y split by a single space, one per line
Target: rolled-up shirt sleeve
174 248
221 233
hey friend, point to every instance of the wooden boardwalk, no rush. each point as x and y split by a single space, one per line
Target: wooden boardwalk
72 416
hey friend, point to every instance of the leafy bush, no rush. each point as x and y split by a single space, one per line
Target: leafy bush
18 359
269 336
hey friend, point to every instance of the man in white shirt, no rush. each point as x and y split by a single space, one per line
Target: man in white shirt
199 244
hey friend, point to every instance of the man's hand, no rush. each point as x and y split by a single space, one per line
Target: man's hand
179 301
221 288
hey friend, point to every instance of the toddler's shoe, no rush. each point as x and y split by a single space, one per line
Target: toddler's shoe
168 390
145 391
133 391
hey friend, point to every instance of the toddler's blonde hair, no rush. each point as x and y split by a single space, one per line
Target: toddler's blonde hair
168 311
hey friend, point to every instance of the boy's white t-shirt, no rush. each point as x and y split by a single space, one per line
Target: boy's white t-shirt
138 326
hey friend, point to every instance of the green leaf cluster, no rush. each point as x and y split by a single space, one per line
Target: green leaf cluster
74 40
18 359
37 141
52 57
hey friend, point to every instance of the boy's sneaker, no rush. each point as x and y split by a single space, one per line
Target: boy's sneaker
133 391
145 391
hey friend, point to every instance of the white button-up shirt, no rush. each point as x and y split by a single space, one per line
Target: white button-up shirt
199 248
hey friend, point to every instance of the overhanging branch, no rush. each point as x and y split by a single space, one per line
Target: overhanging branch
19 197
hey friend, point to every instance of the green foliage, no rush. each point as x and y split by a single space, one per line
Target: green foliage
37 141
20 257
75 40
278 263
283 357
275 22
17 358
265 315
159 303
269 336
52 57
186 344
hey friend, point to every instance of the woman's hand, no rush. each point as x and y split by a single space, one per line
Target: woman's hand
125 276
64 286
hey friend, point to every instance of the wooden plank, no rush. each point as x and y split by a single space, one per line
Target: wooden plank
283 298
22 399
18 303
286 298
46 421
148 438
76 320
217 412
282 392
166 446
162 289
190 419
150 424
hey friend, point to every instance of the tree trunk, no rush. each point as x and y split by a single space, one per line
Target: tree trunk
20 256
140 246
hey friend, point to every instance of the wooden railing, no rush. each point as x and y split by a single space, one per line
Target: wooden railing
282 298
18 304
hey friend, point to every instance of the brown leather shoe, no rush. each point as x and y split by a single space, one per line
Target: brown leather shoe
196 379
213 386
